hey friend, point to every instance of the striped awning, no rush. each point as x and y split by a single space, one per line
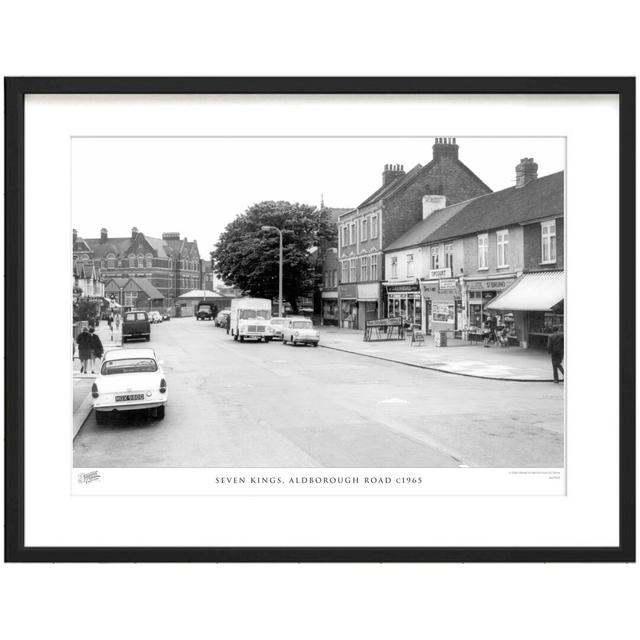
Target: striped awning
538 291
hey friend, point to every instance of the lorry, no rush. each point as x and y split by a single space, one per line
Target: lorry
206 311
250 319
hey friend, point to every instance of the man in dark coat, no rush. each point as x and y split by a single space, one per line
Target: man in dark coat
96 349
555 347
84 349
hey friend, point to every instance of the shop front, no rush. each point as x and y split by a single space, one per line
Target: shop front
348 306
535 301
442 304
479 294
368 298
404 301
330 315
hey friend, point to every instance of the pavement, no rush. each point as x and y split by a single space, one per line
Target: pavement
259 405
82 382
461 358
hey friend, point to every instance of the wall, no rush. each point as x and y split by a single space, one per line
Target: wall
515 255
420 267
533 247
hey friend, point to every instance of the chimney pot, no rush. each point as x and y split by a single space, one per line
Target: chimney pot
391 172
75 235
445 147
103 234
134 231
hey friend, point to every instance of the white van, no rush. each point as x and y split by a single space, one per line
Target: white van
250 319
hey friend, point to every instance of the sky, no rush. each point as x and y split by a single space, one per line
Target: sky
196 186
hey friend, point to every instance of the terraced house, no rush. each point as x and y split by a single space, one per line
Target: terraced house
395 207
171 265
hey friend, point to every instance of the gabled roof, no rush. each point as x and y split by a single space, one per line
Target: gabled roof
148 288
420 232
119 282
386 190
540 198
335 212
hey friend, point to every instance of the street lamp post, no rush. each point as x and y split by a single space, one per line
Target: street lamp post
269 228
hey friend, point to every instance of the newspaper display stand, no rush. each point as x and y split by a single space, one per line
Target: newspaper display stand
384 329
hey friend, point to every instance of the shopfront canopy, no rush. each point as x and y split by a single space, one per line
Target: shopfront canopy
539 291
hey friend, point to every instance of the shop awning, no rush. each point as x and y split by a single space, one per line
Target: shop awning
539 291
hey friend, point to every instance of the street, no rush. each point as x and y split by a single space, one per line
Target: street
251 404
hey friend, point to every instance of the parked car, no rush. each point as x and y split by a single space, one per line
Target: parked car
276 325
129 379
299 331
135 325
221 318
155 317
165 316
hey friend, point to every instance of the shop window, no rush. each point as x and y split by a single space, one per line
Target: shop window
502 245
410 265
363 229
483 251
374 226
394 267
548 230
435 257
448 257
364 268
374 267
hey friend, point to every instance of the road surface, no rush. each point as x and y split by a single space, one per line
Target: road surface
251 404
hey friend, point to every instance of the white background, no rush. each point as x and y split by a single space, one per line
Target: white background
189 38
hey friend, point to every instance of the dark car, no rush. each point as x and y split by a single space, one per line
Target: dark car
136 326
205 311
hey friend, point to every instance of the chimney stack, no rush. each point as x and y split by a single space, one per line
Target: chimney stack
134 232
391 172
103 235
171 235
445 148
526 171
432 203
75 235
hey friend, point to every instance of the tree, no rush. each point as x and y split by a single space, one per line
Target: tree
247 257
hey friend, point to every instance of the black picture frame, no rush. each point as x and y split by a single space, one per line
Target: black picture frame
15 91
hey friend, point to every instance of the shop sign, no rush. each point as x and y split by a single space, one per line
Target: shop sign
428 288
436 274
348 291
385 322
488 285
448 284
400 288
368 292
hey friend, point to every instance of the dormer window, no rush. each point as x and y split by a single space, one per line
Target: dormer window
111 261
149 261
132 260
140 261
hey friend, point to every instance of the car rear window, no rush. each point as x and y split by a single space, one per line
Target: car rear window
129 365
135 316
301 325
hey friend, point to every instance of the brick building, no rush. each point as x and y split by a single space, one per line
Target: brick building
384 216
170 264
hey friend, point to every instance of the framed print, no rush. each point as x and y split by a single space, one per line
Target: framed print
320 319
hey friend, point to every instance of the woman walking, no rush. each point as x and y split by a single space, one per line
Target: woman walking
96 349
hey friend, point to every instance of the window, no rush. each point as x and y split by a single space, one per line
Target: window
149 260
435 257
111 261
374 226
352 270
364 268
334 281
448 257
548 241
352 233
344 235
140 261
410 265
394 267
363 229
483 251
374 267
170 263
132 260
345 271
502 244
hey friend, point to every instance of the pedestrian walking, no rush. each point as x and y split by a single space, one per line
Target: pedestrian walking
96 349
117 321
84 349
228 322
92 321
555 347
110 321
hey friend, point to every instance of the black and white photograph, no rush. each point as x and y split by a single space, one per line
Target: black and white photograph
318 302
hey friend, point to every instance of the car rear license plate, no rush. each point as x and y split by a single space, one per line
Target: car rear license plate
130 396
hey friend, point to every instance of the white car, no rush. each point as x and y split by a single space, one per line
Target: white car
155 317
129 379
299 331
276 325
